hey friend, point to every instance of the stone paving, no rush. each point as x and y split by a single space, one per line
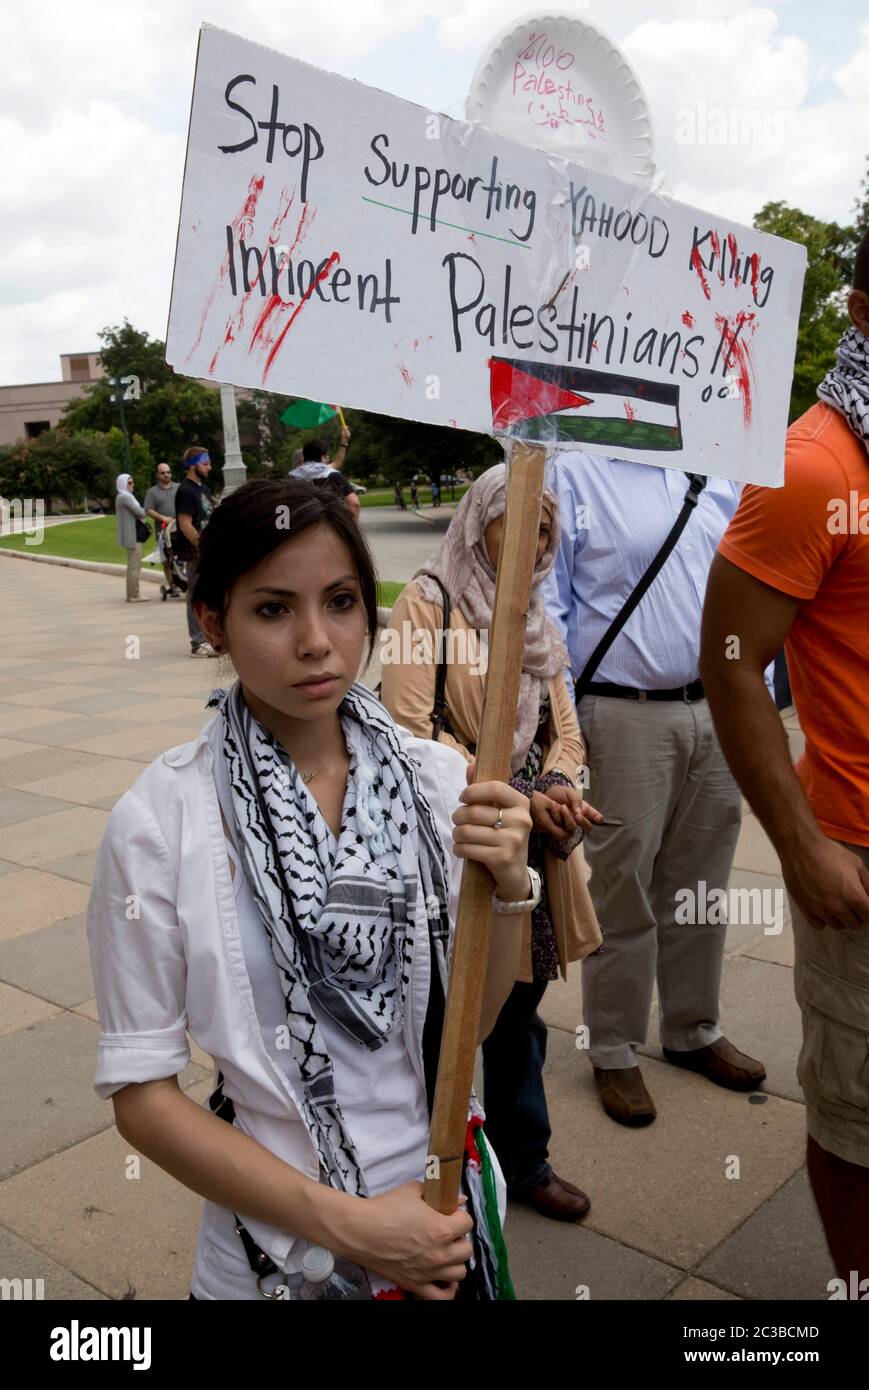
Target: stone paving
78 721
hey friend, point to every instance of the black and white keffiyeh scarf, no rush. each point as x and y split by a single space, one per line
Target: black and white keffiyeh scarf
340 916
846 386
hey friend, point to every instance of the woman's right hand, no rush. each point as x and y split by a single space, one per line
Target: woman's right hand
408 1243
549 818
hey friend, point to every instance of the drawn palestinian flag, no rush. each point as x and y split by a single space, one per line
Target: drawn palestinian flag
541 401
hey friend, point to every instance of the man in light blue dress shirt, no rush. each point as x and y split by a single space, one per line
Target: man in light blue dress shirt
672 809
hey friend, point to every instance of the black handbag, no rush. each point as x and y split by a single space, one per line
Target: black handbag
143 530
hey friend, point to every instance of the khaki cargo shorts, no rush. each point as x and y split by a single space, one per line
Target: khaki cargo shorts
831 978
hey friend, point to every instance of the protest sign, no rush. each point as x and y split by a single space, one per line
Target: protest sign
342 244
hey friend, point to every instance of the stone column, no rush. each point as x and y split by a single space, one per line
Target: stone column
234 471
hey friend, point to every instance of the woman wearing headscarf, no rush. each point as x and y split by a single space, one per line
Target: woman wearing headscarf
127 512
547 755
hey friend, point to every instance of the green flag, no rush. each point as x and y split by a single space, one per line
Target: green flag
306 415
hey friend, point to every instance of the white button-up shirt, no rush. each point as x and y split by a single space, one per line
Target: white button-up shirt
167 927
615 516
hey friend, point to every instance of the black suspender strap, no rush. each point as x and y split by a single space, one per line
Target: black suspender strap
696 485
261 1263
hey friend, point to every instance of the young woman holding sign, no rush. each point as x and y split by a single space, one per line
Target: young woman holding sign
284 887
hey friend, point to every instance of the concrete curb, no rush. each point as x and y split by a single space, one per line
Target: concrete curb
99 566
103 567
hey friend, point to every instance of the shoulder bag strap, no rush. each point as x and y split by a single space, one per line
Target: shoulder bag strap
696 485
438 714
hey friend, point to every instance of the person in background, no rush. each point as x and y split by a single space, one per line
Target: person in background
127 513
194 504
414 495
547 754
399 496
794 566
160 504
673 811
315 465
435 493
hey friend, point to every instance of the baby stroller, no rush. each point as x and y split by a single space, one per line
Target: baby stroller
177 567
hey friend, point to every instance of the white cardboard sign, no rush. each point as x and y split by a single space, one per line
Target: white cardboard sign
344 245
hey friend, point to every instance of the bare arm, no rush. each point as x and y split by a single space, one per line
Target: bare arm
226 1166
745 623
186 527
340 454
395 1235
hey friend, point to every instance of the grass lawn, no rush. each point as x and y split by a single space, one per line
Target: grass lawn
95 540
385 497
388 591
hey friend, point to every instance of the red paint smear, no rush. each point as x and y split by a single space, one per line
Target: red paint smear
276 346
733 249
236 319
630 410
687 320
406 376
716 250
267 310
739 350
754 262
245 216
697 263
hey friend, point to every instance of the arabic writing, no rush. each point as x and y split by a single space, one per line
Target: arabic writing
552 100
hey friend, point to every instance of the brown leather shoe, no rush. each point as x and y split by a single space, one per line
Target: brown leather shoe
722 1063
556 1198
624 1096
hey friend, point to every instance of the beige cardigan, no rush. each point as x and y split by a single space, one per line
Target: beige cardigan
408 694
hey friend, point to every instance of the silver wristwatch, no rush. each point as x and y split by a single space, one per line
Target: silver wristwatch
508 909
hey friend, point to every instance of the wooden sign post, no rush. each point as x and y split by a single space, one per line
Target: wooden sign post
470 955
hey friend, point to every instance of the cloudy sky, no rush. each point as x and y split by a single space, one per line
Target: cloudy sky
94 99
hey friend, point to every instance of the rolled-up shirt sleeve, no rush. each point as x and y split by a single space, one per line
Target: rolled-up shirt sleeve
137 953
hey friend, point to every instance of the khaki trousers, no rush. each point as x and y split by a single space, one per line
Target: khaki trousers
657 767
831 979
134 565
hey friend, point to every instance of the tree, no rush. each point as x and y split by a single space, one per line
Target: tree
141 463
823 318
58 465
170 413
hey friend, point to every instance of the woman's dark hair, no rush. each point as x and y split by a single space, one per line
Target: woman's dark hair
260 516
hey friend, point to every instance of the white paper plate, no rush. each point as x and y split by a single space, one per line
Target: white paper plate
559 84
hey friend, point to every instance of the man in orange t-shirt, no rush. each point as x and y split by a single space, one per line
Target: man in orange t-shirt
793 567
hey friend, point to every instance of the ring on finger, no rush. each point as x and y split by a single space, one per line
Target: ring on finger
499 822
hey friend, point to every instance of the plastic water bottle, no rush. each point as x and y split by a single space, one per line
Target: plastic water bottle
323 1281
